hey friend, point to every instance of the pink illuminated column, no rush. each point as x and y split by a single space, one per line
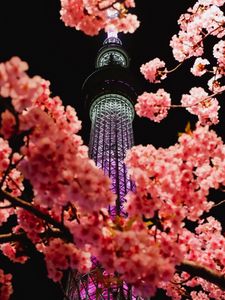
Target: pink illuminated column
111 135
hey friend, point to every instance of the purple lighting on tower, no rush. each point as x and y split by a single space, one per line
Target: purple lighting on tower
111 136
87 287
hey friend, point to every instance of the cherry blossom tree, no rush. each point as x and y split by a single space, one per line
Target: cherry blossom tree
59 198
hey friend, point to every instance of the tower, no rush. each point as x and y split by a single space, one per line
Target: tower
109 96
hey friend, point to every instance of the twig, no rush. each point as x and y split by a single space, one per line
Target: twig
32 209
12 237
195 269
219 203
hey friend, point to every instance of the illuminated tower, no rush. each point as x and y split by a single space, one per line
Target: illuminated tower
109 98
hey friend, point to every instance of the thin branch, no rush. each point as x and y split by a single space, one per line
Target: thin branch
15 183
198 270
219 203
200 42
201 101
12 237
175 68
29 207
105 7
6 206
7 170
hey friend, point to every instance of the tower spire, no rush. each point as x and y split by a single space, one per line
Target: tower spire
112 37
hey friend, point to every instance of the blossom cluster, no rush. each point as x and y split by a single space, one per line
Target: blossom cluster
60 256
89 229
199 103
5 151
6 212
154 70
218 52
5 285
32 225
128 247
139 258
16 84
12 182
154 106
14 251
93 16
176 181
172 186
205 18
54 160
205 247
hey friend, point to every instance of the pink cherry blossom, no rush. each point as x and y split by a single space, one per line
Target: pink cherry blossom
14 252
215 85
8 123
212 2
5 151
164 179
32 225
218 52
154 70
129 3
5 285
199 67
16 84
137 252
154 106
127 24
208 236
189 40
60 256
93 16
199 103
5 212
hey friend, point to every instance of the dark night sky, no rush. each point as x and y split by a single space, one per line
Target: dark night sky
33 31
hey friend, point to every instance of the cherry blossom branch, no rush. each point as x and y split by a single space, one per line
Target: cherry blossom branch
105 7
186 106
12 237
219 203
7 170
6 206
29 207
198 270
198 44
175 68
14 182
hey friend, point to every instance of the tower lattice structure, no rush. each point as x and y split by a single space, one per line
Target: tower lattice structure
109 95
